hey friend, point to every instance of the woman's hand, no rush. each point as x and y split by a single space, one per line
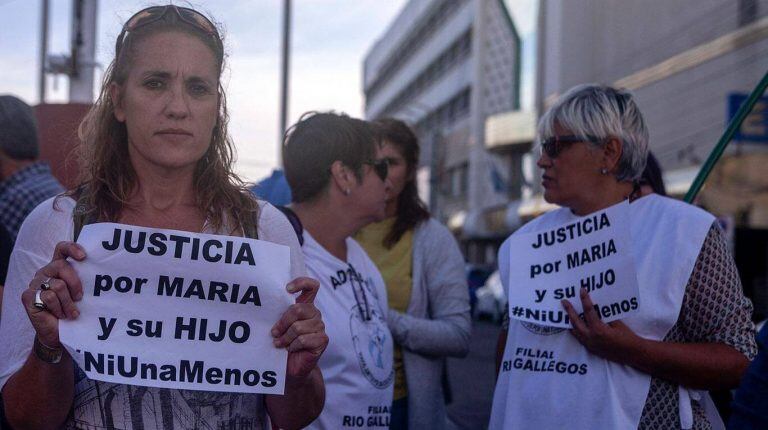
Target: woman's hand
301 330
613 341
59 288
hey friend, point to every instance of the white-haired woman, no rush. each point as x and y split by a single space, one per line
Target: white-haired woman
692 330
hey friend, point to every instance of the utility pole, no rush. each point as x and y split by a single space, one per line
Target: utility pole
83 51
43 49
80 63
285 70
477 172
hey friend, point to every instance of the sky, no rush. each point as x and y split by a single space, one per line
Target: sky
524 15
330 38
329 41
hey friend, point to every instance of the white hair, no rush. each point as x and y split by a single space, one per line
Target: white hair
602 112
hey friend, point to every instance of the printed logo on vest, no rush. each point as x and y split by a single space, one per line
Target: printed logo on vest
541 330
370 340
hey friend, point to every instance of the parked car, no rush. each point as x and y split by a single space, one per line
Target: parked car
491 300
476 277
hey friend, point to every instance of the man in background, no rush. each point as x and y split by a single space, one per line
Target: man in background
5 255
25 182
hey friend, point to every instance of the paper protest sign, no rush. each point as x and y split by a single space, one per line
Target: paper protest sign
174 309
553 264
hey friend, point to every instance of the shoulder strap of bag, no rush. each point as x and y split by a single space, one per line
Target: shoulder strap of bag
295 222
250 226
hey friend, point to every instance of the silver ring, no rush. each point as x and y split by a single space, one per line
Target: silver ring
39 301
46 285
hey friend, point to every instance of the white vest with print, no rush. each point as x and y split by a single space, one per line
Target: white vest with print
548 380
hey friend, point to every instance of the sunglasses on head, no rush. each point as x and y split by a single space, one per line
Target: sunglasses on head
156 13
554 145
380 166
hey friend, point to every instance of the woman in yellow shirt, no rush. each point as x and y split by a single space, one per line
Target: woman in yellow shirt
428 297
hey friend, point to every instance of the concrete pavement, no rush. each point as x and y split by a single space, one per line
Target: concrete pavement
473 378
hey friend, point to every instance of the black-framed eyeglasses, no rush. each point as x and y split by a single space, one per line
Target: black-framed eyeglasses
380 166
554 145
156 13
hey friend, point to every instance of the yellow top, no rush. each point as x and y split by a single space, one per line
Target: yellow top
396 267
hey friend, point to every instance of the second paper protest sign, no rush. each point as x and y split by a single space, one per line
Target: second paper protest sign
592 252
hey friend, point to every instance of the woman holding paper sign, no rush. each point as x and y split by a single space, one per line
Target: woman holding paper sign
156 154
692 330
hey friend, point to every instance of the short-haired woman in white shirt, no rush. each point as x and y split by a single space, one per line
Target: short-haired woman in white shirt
339 182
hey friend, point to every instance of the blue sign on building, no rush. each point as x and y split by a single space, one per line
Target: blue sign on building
754 129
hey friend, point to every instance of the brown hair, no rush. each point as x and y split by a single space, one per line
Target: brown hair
103 149
411 211
315 142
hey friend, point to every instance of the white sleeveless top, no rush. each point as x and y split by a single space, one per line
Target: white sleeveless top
548 380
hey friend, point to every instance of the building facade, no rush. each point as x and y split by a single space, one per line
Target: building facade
681 59
444 67
689 64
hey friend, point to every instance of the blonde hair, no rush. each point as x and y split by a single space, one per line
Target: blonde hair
109 180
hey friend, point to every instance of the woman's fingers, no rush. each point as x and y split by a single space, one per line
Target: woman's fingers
62 294
301 317
308 288
57 287
56 298
590 314
578 325
298 329
309 342
45 321
62 270
28 298
67 249
295 312
53 304
60 278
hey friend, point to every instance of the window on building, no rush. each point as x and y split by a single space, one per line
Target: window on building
455 181
515 175
448 113
446 61
463 180
464 102
431 22
445 182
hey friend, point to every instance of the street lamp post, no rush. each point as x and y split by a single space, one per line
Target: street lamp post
43 48
284 76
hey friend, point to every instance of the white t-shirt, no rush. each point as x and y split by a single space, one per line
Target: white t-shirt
101 404
357 365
